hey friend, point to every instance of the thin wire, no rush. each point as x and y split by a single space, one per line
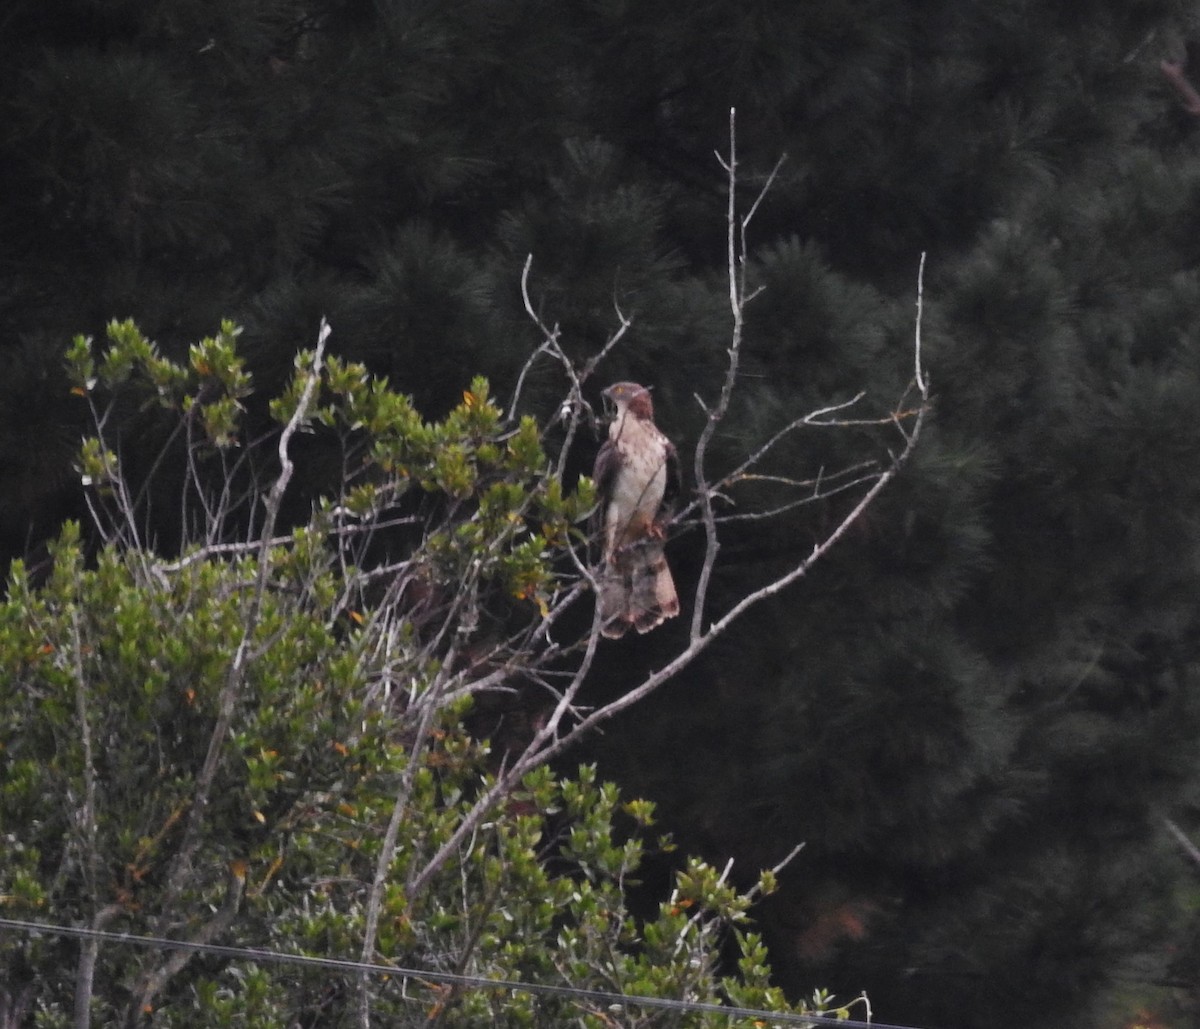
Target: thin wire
447 978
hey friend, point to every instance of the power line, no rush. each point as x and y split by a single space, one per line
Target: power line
445 978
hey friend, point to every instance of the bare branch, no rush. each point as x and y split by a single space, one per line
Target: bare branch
818 493
566 724
735 271
573 406
762 193
1183 840
919 374
813 418
1174 73
86 829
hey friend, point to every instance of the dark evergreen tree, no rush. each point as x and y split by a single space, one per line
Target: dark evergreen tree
979 713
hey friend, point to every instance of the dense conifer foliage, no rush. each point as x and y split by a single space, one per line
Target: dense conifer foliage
979 713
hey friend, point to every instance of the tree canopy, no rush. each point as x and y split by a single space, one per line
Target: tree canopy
329 739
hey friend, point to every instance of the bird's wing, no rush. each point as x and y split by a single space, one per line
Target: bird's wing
604 476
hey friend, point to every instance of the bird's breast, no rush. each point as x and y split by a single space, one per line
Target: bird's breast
643 477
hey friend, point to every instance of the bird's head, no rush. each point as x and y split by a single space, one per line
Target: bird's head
629 396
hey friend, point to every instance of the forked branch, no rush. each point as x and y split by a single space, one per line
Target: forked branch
566 724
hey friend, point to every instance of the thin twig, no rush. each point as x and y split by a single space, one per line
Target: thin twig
1183 840
919 373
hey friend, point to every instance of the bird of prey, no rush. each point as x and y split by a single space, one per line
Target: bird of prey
635 583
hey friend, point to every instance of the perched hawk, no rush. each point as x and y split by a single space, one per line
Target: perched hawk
636 587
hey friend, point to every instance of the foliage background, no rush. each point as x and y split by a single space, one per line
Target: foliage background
980 712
